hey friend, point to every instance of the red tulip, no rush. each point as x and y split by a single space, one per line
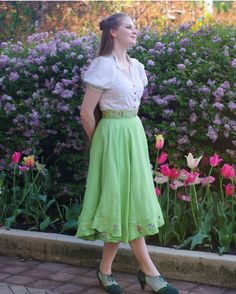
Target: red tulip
215 160
227 171
229 189
16 157
162 158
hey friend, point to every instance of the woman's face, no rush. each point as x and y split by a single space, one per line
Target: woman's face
126 34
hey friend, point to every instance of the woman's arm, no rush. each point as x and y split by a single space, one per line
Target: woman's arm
88 106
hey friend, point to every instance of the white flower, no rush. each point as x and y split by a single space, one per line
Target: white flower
192 162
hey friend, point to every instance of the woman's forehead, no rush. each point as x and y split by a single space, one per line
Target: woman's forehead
127 21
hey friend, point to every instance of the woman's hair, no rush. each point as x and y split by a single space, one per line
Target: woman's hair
106 42
106 45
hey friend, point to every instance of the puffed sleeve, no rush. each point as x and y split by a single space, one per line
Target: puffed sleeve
142 73
100 74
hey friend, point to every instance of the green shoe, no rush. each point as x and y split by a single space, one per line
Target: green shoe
157 283
108 282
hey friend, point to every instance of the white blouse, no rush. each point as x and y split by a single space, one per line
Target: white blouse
119 90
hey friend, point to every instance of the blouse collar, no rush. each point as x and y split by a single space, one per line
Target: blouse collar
117 62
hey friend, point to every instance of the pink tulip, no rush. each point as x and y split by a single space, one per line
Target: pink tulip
174 173
229 189
192 177
159 142
207 180
23 168
165 170
162 158
215 160
16 157
184 197
227 171
175 184
158 192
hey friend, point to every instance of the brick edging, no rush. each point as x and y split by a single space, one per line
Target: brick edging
193 266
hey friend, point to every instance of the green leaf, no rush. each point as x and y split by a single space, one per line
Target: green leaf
44 224
198 239
9 221
71 224
43 197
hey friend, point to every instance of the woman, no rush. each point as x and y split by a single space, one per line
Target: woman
120 203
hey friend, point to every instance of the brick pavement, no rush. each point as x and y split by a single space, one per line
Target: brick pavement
20 276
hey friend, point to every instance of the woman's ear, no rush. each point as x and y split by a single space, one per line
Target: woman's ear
113 32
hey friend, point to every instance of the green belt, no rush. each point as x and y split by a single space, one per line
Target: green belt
125 113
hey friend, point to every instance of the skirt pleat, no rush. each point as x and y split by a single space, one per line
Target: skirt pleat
120 202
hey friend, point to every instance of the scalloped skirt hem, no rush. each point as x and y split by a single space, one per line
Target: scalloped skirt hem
95 234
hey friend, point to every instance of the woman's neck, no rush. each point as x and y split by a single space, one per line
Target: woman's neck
121 55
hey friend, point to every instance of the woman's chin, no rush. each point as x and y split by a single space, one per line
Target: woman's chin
132 43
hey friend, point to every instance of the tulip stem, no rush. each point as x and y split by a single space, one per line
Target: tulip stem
193 208
14 189
167 200
221 189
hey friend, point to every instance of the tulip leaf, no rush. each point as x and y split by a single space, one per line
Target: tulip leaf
44 224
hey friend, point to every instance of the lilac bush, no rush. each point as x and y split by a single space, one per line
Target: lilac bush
190 97
40 99
191 93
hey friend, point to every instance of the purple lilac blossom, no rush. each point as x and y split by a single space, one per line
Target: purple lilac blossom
218 105
216 39
13 76
225 85
212 134
189 83
233 63
181 66
217 120
4 60
184 42
150 62
193 117
170 51
232 105
183 140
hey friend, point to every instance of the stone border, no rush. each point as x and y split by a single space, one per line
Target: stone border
193 266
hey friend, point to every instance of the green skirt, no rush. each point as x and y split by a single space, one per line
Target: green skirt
120 202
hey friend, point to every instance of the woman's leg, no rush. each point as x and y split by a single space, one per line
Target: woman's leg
140 251
108 255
